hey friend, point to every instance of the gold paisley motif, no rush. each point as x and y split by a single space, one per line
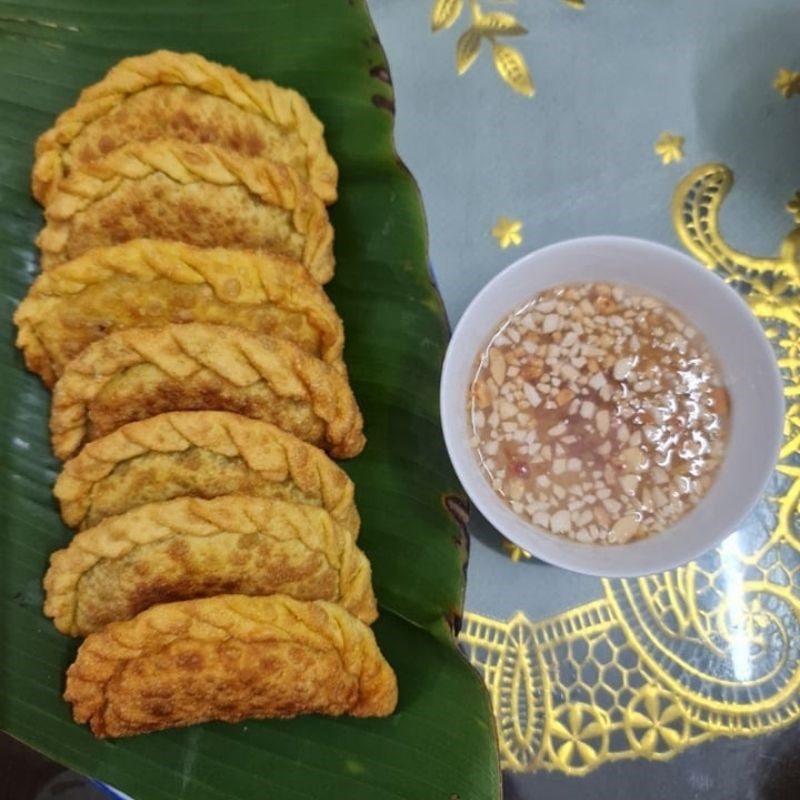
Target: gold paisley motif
710 649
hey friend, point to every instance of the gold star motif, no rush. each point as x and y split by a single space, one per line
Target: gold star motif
787 82
669 147
507 232
793 207
515 552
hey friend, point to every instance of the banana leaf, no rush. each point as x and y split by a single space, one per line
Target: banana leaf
440 744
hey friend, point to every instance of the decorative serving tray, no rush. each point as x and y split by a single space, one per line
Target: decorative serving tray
530 122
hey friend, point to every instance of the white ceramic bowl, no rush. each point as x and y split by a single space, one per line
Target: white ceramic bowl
734 335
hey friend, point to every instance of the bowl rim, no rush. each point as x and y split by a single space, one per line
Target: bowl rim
637 558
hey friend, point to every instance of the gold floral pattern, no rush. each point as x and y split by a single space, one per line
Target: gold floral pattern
664 662
578 737
787 82
507 232
492 27
669 147
656 724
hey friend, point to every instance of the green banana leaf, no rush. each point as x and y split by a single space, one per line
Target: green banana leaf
440 745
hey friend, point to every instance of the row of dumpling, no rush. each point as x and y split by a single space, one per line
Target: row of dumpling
199 394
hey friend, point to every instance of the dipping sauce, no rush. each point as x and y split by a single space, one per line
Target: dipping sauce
598 413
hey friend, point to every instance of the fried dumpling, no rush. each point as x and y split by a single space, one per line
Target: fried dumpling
147 283
187 548
199 454
193 193
186 97
228 658
140 372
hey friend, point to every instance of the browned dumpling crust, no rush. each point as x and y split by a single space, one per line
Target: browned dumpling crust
228 658
141 372
186 97
199 454
187 548
147 283
193 193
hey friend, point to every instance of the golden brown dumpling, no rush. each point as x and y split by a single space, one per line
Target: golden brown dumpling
229 658
199 454
150 284
186 97
140 372
187 548
198 194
